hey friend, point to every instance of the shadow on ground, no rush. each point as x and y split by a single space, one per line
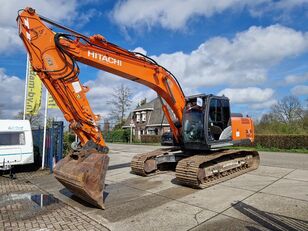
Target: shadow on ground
270 220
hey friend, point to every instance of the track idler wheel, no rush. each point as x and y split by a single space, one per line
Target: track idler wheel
83 173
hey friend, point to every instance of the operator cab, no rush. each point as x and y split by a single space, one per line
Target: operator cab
206 122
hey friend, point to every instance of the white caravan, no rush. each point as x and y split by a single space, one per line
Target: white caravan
16 145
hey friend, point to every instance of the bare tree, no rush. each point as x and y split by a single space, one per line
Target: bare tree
267 118
35 120
305 120
120 103
1 106
106 127
288 109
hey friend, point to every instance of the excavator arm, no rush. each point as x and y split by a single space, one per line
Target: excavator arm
54 57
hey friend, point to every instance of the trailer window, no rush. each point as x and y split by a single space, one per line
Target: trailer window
12 138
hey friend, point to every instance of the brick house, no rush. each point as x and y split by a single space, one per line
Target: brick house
148 119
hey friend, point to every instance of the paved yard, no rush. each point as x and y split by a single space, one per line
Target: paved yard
274 197
23 206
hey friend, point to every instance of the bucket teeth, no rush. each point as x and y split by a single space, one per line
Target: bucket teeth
84 173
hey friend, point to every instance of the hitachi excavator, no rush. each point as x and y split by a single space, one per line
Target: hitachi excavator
202 124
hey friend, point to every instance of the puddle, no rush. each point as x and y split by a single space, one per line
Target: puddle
44 199
27 205
39 199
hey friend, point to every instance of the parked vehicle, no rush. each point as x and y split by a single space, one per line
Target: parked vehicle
16 145
167 139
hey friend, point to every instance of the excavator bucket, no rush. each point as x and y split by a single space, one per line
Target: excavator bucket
83 173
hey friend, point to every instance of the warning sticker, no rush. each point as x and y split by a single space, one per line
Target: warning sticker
76 86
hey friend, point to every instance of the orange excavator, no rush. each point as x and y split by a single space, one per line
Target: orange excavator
202 125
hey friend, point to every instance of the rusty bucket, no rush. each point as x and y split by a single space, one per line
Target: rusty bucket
83 173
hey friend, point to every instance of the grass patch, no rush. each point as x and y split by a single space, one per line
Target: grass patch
260 148
135 143
257 148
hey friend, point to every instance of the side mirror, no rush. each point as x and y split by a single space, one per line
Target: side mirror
177 124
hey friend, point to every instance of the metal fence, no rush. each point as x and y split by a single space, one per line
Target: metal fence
53 147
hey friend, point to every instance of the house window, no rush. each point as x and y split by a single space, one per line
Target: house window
143 116
137 116
150 131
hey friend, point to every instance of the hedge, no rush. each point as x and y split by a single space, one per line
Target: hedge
150 138
282 141
266 141
68 139
119 135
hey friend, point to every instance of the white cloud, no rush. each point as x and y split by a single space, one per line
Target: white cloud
265 105
12 95
58 10
289 4
241 61
296 79
300 90
140 50
171 15
176 16
248 95
9 40
251 99
282 8
103 86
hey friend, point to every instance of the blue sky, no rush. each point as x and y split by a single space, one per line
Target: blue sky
255 52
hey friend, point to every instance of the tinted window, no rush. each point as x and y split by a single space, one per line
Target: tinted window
218 110
215 110
226 112
193 130
212 112
12 138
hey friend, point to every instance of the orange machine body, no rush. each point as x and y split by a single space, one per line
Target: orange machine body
242 129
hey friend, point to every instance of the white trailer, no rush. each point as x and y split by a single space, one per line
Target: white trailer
16 145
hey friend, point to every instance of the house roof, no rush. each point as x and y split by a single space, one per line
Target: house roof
146 106
155 117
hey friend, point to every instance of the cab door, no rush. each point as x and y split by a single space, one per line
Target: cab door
218 118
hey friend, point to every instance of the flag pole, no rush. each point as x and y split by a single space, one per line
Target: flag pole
45 125
26 88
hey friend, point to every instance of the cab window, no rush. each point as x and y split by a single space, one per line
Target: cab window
219 117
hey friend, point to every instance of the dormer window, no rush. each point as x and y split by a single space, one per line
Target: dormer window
143 116
138 117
